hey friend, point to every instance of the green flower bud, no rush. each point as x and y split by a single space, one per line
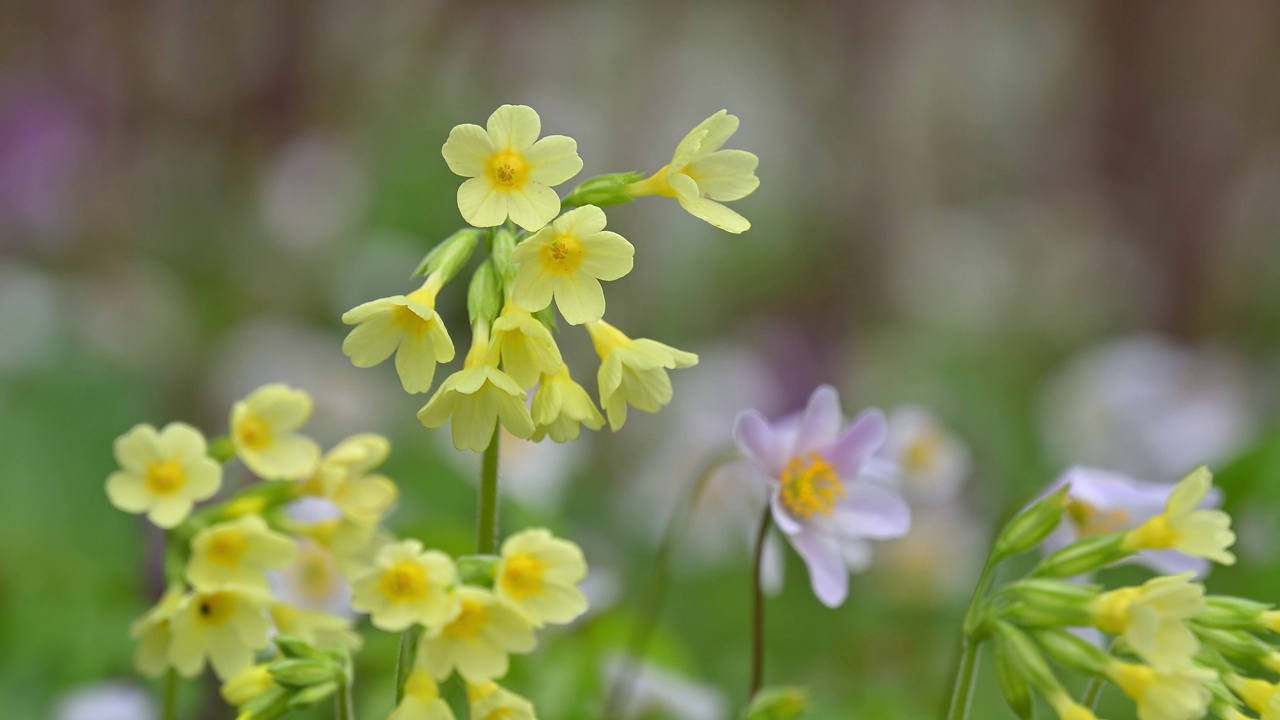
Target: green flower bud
1025 657
246 686
484 297
1045 602
1083 557
313 694
1234 643
603 191
1012 684
449 257
1028 528
504 244
302 673
477 569
292 647
782 703
1232 613
271 704
1077 654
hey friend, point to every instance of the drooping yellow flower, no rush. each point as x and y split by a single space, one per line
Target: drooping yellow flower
238 552
225 624
1152 618
477 641
561 407
567 260
524 345
247 685
490 701
1173 692
1261 696
320 629
539 574
343 478
476 397
1068 709
1184 527
421 699
511 174
633 371
407 325
163 474
700 174
153 633
264 431
407 585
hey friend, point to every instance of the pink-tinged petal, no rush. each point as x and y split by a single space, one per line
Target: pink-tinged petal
871 511
782 517
859 443
821 422
759 442
773 566
856 554
827 573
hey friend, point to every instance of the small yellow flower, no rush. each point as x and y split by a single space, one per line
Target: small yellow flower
153 633
225 624
1184 527
1152 618
1261 696
320 629
561 407
163 474
421 699
1175 692
1068 709
539 574
524 345
238 552
476 398
407 325
406 585
511 175
263 430
701 173
489 701
477 641
633 371
343 478
245 686
567 260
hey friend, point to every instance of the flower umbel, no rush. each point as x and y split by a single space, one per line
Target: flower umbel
406 325
567 260
163 473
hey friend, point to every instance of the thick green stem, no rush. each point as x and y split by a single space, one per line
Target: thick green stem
970 641
1093 693
487 525
757 608
405 658
344 708
171 695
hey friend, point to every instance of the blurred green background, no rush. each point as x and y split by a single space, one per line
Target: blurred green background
1054 224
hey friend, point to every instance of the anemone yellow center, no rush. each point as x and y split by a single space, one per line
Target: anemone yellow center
1092 521
215 608
406 581
922 454
254 432
508 170
563 255
227 548
470 621
810 485
522 575
165 478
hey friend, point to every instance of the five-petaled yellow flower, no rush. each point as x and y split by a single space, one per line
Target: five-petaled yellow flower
163 474
561 407
524 345
407 325
1184 527
539 574
700 174
567 260
489 701
225 624
1172 692
511 174
477 641
1152 618
407 585
154 633
264 431
239 552
633 371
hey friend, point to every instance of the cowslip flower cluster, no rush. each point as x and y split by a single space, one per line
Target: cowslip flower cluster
544 252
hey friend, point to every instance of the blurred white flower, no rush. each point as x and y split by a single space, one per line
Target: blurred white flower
937 563
314 192
106 701
660 692
313 582
933 463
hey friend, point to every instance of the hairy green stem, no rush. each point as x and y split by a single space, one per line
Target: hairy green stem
171 695
405 658
757 608
1093 693
971 640
344 707
487 525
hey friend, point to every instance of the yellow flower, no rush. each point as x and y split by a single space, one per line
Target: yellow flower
163 474
226 624
342 478
539 574
406 585
421 699
561 407
633 371
567 260
701 173
477 641
153 633
263 429
1152 618
406 325
238 552
1068 709
476 397
245 686
1261 696
320 629
489 701
524 345
511 175
1175 692
1186 528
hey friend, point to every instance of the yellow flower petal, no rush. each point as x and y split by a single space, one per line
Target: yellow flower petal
514 127
553 160
467 150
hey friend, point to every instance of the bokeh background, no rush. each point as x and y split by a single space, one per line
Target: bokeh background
1054 225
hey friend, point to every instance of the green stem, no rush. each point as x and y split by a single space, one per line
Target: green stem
405 658
1093 693
487 525
971 640
344 708
171 695
757 609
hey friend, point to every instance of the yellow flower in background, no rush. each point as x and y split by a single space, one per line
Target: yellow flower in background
511 174
539 574
163 474
247 685
561 407
1261 696
343 478
701 175
239 552
264 431
1152 618
406 585
324 631
1067 709
476 642
524 345
153 633
407 325
489 701
476 397
1184 527
1174 692
225 624
567 260
633 371
421 699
